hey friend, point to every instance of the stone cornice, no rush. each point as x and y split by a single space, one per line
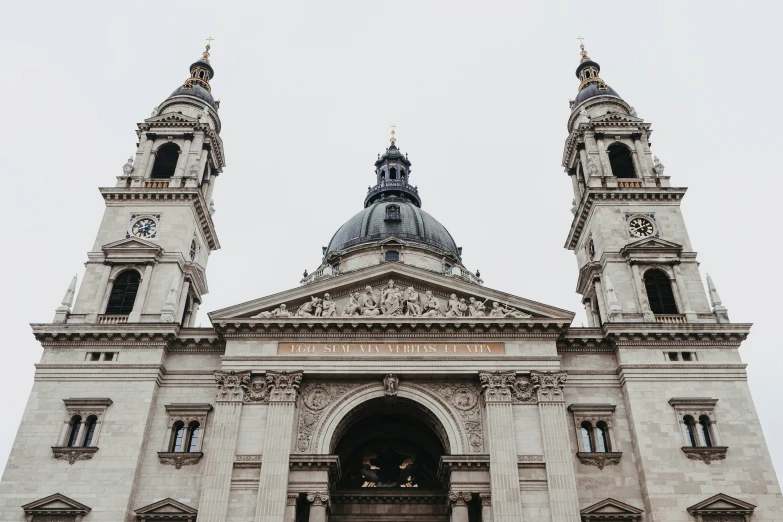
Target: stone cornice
162 195
170 336
391 327
692 334
617 195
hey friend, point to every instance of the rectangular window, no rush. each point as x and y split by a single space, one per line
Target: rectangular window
108 356
674 356
392 256
94 356
687 356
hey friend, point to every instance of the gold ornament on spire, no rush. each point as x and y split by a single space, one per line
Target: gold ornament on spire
582 47
205 55
393 139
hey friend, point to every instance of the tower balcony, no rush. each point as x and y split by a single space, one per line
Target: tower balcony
392 187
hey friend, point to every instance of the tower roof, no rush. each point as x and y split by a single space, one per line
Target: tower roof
197 85
592 85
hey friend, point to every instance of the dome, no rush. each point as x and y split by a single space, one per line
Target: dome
592 91
414 225
196 91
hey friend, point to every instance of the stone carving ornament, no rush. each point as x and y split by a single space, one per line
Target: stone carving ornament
178 460
390 385
283 386
459 499
256 390
73 454
599 459
232 385
658 167
127 169
506 387
318 499
549 385
280 311
592 169
316 396
464 398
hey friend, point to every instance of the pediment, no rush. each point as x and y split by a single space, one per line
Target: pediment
132 249
343 290
171 117
616 117
57 504
611 509
652 245
721 504
166 509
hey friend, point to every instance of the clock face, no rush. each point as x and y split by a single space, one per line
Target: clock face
640 227
145 227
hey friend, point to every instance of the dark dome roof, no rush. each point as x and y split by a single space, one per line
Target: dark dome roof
197 91
592 91
415 225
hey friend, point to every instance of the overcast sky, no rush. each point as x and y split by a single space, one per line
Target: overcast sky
479 93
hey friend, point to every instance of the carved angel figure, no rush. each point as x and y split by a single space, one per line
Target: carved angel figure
155 112
370 303
281 311
329 307
431 306
353 307
195 169
658 166
574 207
453 307
592 169
412 305
127 169
391 299
476 308
633 112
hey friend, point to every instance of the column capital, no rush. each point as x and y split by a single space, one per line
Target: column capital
318 498
231 385
496 386
283 386
291 498
486 499
549 385
459 498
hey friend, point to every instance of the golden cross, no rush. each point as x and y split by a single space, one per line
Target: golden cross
209 41
392 132
581 42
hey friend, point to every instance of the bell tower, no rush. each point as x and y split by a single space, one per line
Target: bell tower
636 262
148 262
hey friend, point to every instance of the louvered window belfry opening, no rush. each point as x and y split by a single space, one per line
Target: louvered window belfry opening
659 292
123 293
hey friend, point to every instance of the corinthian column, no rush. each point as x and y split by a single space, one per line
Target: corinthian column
221 446
563 500
504 477
458 502
282 391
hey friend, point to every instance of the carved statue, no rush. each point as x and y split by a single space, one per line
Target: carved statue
391 299
658 167
592 169
308 309
463 306
204 118
390 385
453 307
354 306
212 207
155 112
370 303
431 306
127 169
281 311
501 311
329 307
633 112
412 304
195 169
574 207
476 308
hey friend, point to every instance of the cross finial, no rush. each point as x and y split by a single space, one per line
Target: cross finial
582 47
393 139
205 56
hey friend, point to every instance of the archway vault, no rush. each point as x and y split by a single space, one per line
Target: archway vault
326 432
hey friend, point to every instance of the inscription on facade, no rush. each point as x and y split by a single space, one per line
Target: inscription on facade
393 349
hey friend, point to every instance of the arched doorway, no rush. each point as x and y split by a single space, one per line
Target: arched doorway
390 456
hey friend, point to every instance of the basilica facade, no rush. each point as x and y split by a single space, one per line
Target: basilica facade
390 384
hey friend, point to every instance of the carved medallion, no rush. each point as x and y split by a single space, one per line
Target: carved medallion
464 398
317 398
257 390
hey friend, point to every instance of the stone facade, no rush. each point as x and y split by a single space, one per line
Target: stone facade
392 387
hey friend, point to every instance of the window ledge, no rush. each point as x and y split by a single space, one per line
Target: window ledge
73 454
590 458
705 454
179 459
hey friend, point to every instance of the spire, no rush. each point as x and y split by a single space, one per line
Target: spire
205 55
392 173
393 140
717 305
582 46
61 314
588 70
201 71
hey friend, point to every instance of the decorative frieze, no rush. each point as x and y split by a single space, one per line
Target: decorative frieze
179 459
705 454
73 454
232 385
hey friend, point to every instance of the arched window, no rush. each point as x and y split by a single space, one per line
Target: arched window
73 435
392 173
402 174
621 161
602 437
92 421
587 436
166 161
391 255
178 436
689 428
705 437
123 293
195 430
659 292
383 175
